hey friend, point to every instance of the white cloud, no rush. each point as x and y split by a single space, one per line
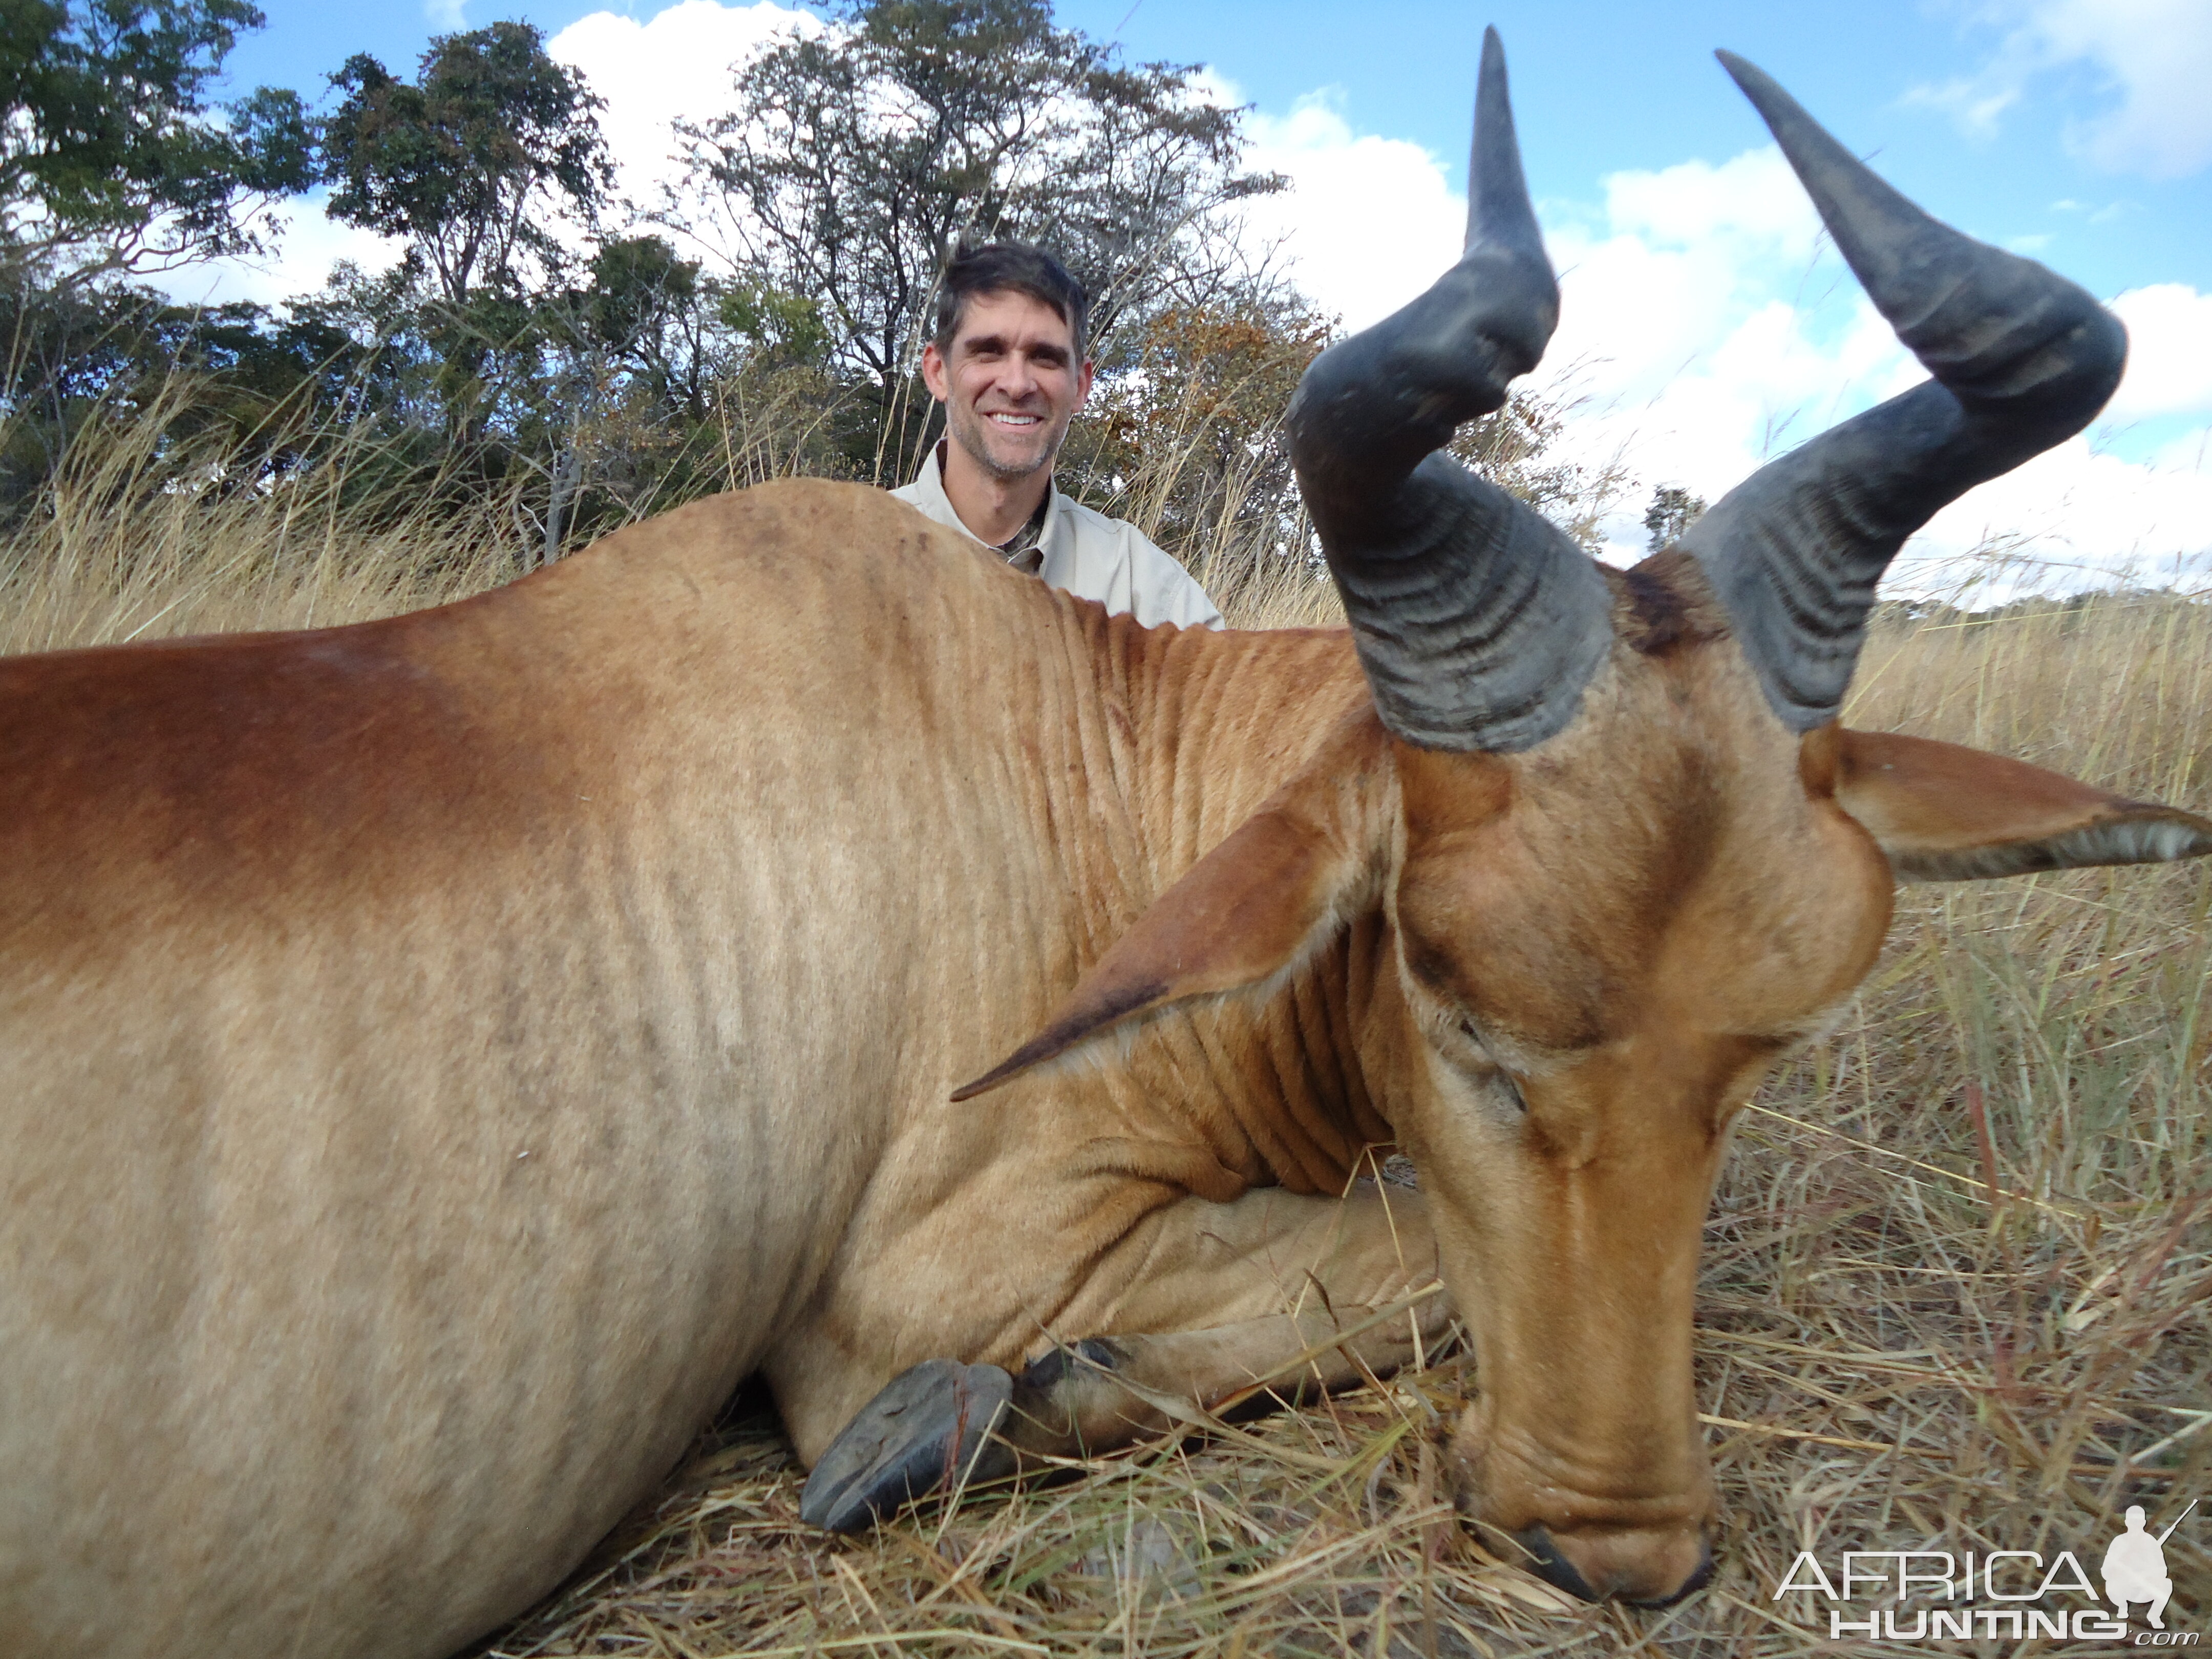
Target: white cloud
2169 353
446 15
1689 256
310 243
2156 59
1750 205
1367 222
675 65
1706 326
2078 519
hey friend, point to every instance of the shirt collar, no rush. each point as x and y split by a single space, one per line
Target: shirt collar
1026 551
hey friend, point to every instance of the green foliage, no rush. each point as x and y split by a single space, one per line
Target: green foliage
1188 442
479 164
786 326
111 160
1673 510
269 392
474 164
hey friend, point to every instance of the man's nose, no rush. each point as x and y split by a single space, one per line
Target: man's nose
1019 378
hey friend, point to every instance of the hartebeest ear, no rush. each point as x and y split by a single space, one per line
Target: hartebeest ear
1946 813
1278 888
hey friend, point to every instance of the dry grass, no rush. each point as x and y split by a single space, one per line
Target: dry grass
1955 1282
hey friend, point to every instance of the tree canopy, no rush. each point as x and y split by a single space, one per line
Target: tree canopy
112 159
543 354
850 162
475 163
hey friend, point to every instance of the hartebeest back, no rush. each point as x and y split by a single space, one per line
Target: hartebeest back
437 1058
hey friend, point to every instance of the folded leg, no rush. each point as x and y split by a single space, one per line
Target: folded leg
1299 1294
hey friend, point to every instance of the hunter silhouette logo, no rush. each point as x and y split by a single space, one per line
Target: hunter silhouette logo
2134 1567
1935 1595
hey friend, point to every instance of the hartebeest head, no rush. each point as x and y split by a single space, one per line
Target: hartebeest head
1625 855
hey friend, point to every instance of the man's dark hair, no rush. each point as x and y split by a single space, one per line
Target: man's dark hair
1005 268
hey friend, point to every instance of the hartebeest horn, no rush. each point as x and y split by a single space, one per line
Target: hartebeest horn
1477 620
2022 359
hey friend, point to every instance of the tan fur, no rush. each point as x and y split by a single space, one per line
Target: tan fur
438 1059
1592 953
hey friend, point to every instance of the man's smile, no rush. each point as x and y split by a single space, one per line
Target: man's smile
1009 381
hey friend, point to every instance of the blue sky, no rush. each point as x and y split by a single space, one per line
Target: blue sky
1705 325
1601 88
1598 88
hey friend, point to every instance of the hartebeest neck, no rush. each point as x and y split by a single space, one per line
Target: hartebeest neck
1203 729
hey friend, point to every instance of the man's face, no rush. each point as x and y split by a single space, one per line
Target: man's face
1010 382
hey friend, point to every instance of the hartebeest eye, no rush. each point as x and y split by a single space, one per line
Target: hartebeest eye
1510 1086
1495 1075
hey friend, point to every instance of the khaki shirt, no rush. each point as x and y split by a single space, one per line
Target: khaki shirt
1088 553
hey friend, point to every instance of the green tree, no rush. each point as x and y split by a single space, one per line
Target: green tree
656 318
1673 509
112 158
480 164
477 163
1190 445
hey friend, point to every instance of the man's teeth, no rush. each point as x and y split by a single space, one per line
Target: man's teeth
1015 420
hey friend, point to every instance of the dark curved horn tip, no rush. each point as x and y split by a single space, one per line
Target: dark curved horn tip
1740 70
1766 93
2021 358
1498 205
1775 106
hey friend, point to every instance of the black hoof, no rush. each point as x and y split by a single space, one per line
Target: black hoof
1052 1367
928 1432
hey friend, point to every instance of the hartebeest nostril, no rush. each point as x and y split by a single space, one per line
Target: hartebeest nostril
1695 1582
1646 1568
1549 1565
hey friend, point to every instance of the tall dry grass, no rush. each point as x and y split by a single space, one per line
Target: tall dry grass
1955 1276
137 537
132 540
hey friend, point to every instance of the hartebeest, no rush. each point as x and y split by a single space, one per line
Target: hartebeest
440 1057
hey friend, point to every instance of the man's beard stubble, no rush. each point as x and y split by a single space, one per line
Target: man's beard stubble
968 431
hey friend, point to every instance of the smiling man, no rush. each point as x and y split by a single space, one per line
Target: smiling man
1007 364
